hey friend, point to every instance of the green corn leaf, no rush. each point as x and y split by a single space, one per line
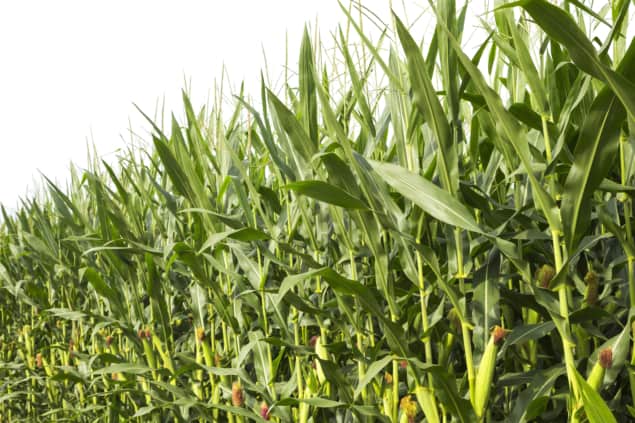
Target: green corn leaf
594 156
174 170
131 368
432 199
314 402
619 345
458 407
334 375
428 404
627 244
374 49
428 104
64 313
524 333
238 411
244 234
199 304
358 87
308 95
371 371
596 409
325 192
157 298
104 289
559 25
527 66
540 386
368 299
297 134
485 310
274 150
512 134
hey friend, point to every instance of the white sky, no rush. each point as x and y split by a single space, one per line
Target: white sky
70 70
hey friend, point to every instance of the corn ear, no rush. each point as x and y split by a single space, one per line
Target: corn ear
596 376
592 288
387 400
485 373
322 354
428 404
408 409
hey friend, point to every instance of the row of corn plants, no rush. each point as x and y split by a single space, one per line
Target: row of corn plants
400 234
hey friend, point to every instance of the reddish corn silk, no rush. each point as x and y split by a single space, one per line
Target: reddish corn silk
388 378
144 334
499 334
264 410
606 358
409 407
200 334
237 395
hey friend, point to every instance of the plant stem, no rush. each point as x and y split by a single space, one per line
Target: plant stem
564 312
395 390
422 298
628 209
563 291
465 330
361 366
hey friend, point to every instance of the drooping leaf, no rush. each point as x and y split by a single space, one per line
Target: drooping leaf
325 192
432 199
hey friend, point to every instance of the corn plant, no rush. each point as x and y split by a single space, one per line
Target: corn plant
399 234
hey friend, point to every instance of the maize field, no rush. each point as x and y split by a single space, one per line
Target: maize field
404 232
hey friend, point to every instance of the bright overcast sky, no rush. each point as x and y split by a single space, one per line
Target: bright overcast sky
71 70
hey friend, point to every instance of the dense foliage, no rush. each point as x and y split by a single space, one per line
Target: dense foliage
454 244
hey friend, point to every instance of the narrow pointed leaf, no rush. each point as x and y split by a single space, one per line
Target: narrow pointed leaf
425 98
560 26
325 192
596 409
298 136
432 199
